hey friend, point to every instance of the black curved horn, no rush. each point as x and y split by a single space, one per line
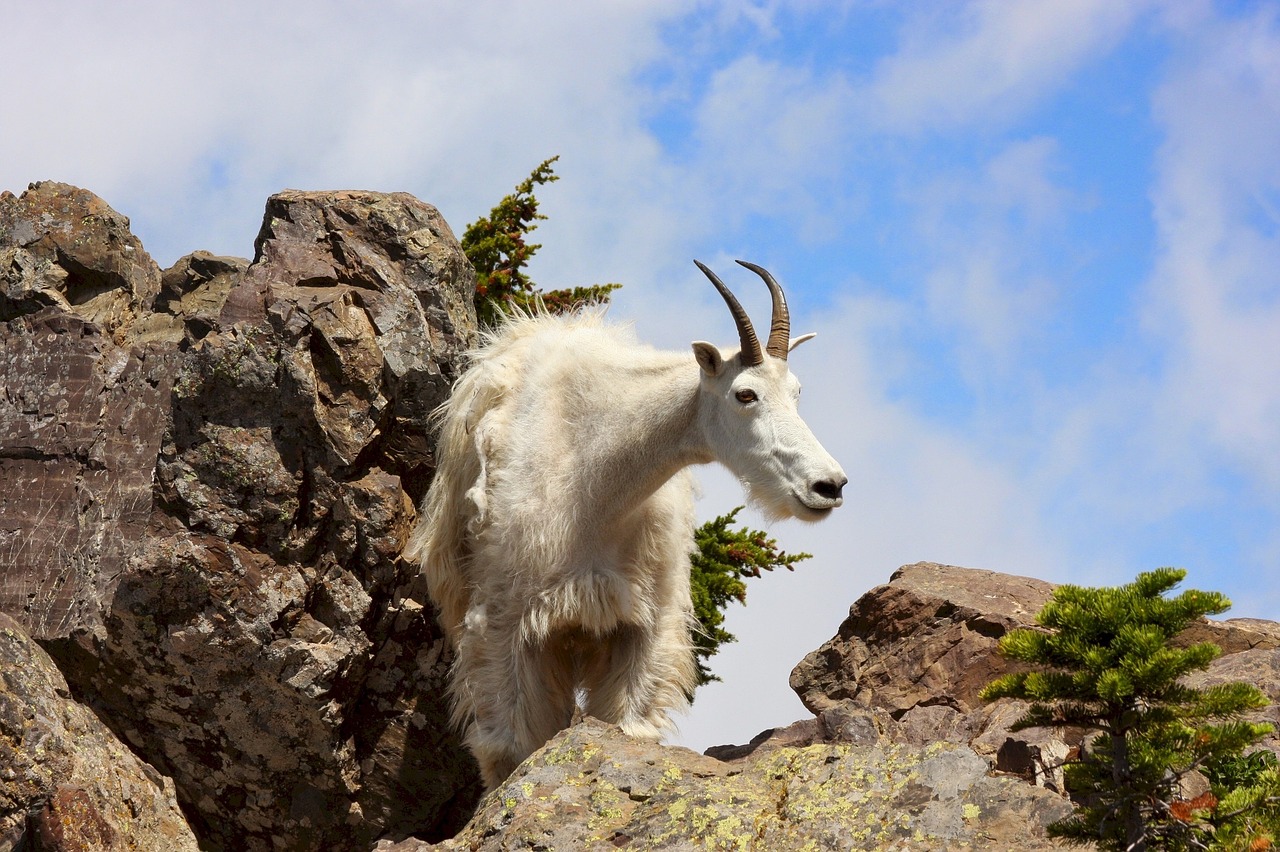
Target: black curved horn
751 354
780 323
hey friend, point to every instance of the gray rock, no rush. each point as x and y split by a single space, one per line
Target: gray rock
592 787
66 782
217 468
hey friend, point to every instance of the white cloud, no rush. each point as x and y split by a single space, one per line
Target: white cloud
977 63
203 112
982 235
1214 294
768 132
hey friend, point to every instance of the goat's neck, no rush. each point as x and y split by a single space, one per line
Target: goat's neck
653 434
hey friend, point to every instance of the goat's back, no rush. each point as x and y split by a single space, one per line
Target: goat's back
524 389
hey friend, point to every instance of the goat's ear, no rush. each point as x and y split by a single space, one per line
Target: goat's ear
709 358
796 341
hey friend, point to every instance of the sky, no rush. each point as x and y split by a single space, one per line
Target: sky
1039 241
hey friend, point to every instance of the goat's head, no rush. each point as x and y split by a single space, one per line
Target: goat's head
748 412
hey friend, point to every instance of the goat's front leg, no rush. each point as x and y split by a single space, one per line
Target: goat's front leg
637 676
522 695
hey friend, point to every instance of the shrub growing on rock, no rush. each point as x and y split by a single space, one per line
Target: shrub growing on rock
1107 662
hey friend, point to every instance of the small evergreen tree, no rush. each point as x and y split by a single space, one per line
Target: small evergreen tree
724 559
498 247
1107 663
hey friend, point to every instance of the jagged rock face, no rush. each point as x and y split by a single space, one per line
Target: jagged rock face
591 787
928 636
215 470
63 247
914 654
67 782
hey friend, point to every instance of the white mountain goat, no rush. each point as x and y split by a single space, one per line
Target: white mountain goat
556 535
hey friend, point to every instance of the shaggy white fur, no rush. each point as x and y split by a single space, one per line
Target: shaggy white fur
555 537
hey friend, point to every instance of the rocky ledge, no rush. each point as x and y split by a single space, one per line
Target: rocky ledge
208 638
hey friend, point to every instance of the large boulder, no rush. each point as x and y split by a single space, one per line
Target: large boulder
926 638
592 787
915 653
215 468
67 782
65 248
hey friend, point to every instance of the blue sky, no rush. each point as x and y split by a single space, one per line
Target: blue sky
1040 240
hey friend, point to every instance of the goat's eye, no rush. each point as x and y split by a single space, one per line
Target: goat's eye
745 396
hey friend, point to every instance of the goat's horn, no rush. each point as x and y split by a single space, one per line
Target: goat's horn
780 325
751 355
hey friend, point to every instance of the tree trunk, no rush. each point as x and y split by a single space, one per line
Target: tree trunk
1135 824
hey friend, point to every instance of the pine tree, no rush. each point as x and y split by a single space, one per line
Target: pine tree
1107 663
1247 814
498 247
723 560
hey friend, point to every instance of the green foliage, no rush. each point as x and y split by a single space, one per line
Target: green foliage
724 559
1106 662
498 247
1247 813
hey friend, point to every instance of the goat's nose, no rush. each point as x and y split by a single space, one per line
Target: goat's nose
830 489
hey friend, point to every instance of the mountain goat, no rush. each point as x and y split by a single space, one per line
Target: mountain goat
556 535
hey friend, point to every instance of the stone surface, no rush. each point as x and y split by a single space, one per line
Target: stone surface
914 653
65 248
66 782
926 638
591 787
216 468
926 642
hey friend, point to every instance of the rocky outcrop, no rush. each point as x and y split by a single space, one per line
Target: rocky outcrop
927 638
901 752
210 472
67 783
594 788
213 470
915 653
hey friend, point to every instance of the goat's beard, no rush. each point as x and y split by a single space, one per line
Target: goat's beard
776 502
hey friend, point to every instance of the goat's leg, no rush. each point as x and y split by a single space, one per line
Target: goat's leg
522 695
638 676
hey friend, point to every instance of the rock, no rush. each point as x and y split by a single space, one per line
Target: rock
63 247
81 424
67 783
591 787
192 293
1258 666
217 469
914 654
928 637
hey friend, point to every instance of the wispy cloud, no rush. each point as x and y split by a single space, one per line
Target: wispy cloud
1214 292
966 65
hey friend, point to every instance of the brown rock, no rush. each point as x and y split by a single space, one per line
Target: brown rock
63 247
928 637
81 423
217 471
60 763
192 293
